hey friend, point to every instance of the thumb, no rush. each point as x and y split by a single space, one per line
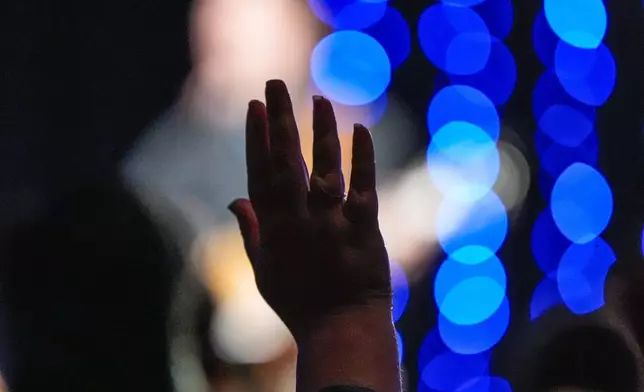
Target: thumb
248 225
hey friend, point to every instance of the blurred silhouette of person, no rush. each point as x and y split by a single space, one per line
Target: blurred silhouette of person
85 273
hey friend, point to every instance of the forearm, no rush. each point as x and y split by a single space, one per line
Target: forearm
353 349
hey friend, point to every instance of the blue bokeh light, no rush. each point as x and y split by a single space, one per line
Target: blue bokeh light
544 40
462 3
392 32
548 92
348 14
400 285
498 16
469 294
478 338
548 244
587 75
642 242
454 38
581 203
448 371
486 384
555 158
545 297
565 125
485 225
466 104
582 275
580 23
350 67
498 77
442 369
463 161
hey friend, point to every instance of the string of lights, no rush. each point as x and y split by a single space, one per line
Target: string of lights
463 39
579 77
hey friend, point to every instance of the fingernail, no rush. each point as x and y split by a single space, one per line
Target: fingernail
317 98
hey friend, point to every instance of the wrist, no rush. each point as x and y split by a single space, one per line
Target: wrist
355 346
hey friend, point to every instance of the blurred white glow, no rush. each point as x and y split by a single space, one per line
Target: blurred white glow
246 330
409 205
240 44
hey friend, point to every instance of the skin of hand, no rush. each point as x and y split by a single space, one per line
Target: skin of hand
319 260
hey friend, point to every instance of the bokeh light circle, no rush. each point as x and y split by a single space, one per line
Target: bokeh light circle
478 338
582 275
466 104
566 125
555 158
498 16
350 67
548 92
463 161
468 294
484 225
579 23
498 77
581 203
392 32
448 371
454 38
462 3
544 297
348 14
588 75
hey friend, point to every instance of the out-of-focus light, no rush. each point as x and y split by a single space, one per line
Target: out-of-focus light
497 78
548 92
392 31
350 67
449 371
580 23
463 161
565 125
462 3
487 384
581 215
237 46
469 292
348 14
401 289
642 242
544 40
588 75
544 297
498 16
485 225
401 347
444 370
555 158
463 104
455 39
582 274
477 338
548 244
514 177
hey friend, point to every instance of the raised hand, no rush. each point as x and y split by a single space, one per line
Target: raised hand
315 253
